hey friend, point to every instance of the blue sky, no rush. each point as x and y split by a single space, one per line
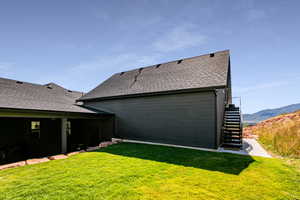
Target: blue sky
78 44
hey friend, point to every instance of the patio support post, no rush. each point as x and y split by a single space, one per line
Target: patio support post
64 135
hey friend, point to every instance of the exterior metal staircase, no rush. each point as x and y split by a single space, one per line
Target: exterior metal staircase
232 129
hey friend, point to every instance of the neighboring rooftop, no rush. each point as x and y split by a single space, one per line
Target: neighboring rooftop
205 71
49 97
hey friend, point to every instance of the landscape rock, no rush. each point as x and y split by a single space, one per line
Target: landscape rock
105 144
12 165
36 160
58 157
92 148
74 153
115 140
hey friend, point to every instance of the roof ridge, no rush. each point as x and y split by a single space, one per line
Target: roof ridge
185 58
40 85
21 81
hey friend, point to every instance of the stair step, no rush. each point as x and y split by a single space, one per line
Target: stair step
232 111
232 119
232 137
233 133
232 141
231 122
232 115
228 140
232 145
232 129
232 125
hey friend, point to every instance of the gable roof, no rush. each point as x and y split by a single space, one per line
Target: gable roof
205 71
49 97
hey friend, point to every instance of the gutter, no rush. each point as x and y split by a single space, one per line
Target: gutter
36 111
153 93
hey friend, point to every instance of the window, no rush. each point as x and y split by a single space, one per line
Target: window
68 128
35 129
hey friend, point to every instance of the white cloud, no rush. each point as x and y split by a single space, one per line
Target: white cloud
6 65
255 14
117 62
261 86
180 37
95 71
6 68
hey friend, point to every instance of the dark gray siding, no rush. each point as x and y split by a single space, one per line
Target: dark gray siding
184 119
220 106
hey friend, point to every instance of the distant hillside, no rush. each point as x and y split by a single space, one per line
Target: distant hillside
268 113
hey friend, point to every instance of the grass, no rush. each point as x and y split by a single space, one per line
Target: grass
139 171
281 134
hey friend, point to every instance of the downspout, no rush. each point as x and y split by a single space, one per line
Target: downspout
219 141
216 119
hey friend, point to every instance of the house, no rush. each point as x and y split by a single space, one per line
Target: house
183 102
40 120
180 102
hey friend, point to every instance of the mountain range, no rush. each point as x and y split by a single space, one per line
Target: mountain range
268 113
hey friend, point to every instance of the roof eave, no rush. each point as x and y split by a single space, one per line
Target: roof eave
203 89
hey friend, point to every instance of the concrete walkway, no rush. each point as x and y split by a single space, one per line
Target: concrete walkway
250 147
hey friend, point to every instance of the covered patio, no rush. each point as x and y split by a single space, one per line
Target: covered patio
30 134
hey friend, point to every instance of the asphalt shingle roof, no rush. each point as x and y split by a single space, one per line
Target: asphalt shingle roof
50 97
205 71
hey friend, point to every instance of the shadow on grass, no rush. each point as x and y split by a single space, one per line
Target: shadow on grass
222 162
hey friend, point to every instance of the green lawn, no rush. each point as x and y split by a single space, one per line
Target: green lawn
138 171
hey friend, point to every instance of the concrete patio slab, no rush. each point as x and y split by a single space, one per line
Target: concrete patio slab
250 147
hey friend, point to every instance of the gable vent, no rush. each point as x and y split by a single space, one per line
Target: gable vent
49 87
179 61
157 66
19 82
211 55
70 91
122 73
